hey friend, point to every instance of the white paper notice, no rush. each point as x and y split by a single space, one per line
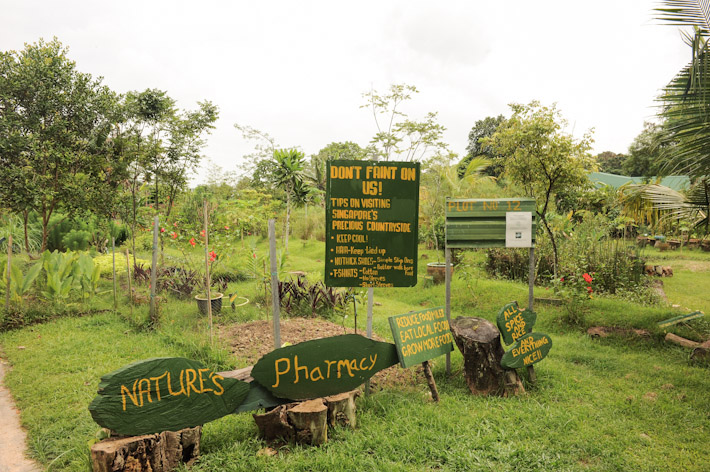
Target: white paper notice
518 229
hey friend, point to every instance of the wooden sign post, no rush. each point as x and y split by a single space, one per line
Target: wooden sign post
501 222
421 336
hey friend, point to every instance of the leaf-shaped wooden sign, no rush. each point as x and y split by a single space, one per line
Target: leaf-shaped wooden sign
514 323
164 394
323 366
526 351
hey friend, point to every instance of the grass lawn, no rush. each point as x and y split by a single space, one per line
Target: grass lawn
612 404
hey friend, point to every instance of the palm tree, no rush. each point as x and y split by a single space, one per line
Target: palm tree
288 176
686 110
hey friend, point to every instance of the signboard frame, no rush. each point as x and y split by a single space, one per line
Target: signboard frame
372 223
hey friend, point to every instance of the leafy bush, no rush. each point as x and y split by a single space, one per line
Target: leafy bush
301 298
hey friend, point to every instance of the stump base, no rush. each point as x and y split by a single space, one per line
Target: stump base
151 452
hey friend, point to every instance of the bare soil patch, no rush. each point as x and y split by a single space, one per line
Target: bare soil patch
250 341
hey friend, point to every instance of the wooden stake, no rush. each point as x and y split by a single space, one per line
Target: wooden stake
9 266
207 270
154 275
447 271
531 289
276 303
430 380
128 271
370 303
113 253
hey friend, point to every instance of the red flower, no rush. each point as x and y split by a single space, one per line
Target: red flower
226 227
254 255
587 278
192 241
162 230
175 224
589 289
202 233
173 234
213 256
562 279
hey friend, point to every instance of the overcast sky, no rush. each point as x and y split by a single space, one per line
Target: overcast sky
298 69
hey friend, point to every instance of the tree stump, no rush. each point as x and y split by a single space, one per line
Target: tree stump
310 420
479 342
151 452
307 422
341 409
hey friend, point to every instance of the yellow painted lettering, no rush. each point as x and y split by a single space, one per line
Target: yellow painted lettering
278 372
313 374
202 381
329 363
190 381
217 384
297 368
141 391
157 383
361 361
182 387
133 397
373 360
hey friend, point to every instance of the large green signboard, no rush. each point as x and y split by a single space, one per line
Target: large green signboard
323 366
514 323
164 394
421 336
372 212
502 222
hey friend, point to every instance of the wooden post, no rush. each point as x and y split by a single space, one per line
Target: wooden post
113 253
128 272
447 271
9 266
531 289
207 269
355 310
370 303
430 380
274 284
154 275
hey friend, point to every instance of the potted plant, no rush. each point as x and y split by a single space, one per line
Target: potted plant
216 299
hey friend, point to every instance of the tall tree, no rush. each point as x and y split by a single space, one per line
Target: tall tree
55 124
315 171
483 129
611 162
397 135
645 152
541 158
288 176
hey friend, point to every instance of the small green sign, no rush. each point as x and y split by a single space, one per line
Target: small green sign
372 231
526 351
323 367
164 394
680 319
421 335
514 323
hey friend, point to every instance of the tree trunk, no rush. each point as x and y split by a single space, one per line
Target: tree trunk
554 246
288 217
25 217
341 409
310 420
479 342
150 452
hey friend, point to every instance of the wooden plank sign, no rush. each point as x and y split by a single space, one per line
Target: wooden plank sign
513 323
372 229
680 319
164 394
526 351
323 367
421 335
501 222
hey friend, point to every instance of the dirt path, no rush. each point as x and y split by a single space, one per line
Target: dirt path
12 436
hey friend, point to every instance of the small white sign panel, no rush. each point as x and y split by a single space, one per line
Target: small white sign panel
518 229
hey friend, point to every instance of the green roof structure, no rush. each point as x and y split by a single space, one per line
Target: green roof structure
676 182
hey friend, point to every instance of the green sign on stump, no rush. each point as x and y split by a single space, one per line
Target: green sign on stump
514 323
502 222
323 367
372 214
526 351
164 394
421 336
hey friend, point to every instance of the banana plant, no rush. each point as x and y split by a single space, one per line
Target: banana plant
88 275
19 283
60 270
